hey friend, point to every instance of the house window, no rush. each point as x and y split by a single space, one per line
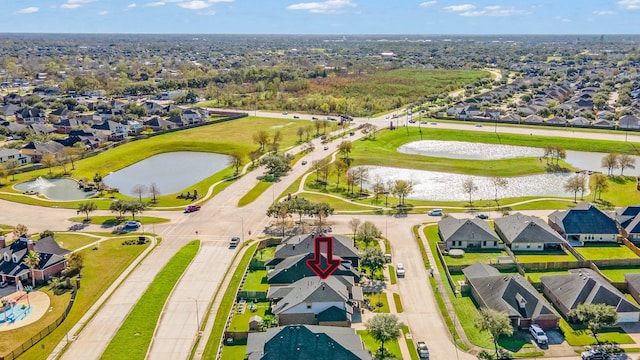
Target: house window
15 259
11 156
495 243
484 243
528 246
308 305
6 257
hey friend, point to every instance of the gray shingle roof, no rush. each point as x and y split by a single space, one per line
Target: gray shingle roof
584 219
302 244
479 269
295 268
466 229
312 290
526 229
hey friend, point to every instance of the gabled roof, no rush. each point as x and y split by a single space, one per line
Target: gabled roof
585 286
302 244
306 342
628 121
50 147
633 281
312 290
519 228
50 254
480 269
512 294
295 268
466 229
580 121
628 218
533 119
584 219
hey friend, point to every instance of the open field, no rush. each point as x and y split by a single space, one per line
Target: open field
604 251
577 335
73 241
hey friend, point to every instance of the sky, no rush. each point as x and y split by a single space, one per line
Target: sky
322 17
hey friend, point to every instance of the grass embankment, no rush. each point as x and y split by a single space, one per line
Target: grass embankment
412 347
74 241
101 268
211 349
253 194
114 221
392 274
397 302
134 336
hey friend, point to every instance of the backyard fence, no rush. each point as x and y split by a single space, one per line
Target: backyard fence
41 334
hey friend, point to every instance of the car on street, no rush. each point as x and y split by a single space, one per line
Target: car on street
423 350
435 212
304 162
434 123
326 148
352 133
331 118
400 270
234 241
285 113
538 334
131 224
482 216
478 125
424 122
296 117
192 208
314 118
595 354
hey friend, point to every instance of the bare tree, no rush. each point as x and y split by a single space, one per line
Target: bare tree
19 230
236 159
469 187
355 224
339 167
378 187
300 132
139 189
610 161
11 167
498 182
49 160
261 138
363 175
626 162
154 191
402 188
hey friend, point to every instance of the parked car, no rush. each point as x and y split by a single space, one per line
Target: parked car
482 216
434 123
400 270
352 133
304 162
296 117
435 212
234 241
131 224
423 350
595 355
538 334
326 148
192 208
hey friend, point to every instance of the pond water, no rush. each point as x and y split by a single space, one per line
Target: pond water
438 186
477 151
55 189
171 172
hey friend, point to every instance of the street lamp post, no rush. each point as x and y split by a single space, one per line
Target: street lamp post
242 225
197 316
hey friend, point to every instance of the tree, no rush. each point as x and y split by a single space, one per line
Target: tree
261 138
339 167
3 172
402 188
595 316
598 185
32 260
236 159
11 167
87 207
372 258
299 206
626 162
139 189
383 328
70 154
469 187
300 132
279 210
378 187
19 230
154 191
345 148
277 164
321 211
118 206
494 322
362 174
275 141
610 161
369 232
49 160
498 183
355 224
574 185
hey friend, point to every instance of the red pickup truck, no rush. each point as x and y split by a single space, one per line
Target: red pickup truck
192 208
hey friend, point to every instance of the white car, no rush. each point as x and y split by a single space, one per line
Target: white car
538 334
435 212
400 270
131 224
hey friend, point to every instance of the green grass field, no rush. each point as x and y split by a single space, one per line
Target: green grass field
392 348
535 276
375 299
604 251
256 281
543 256
392 274
234 352
617 275
253 194
114 220
471 257
134 336
240 322
398 302
74 241
577 335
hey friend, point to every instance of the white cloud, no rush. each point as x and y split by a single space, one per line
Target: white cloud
428 3
103 13
604 12
70 6
80 1
194 4
157 3
326 7
457 8
493 10
131 6
207 13
29 10
630 4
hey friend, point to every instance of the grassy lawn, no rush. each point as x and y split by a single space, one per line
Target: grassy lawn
398 303
341 205
240 322
577 335
543 256
211 350
535 276
392 274
471 257
392 348
410 344
265 254
234 352
376 298
114 220
134 336
253 194
604 251
101 268
74 241
617 275
256 281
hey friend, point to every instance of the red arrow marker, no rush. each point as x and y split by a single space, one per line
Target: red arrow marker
316 264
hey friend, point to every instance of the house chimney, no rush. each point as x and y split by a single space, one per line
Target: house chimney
30 245
3 242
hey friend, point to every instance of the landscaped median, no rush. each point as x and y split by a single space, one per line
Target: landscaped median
134 336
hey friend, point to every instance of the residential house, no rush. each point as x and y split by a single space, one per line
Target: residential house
153 107
13 268
628 219
467 233
585 286
557 120
580 122
66 125
7 154
633 285
533 119
10 109
512 294
306 342
629 122
314 301
36 149
511 118
113 130
42 129
59 114
295 268
135 127
30 116
603 123
157 123
584 223
527 233
303 244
